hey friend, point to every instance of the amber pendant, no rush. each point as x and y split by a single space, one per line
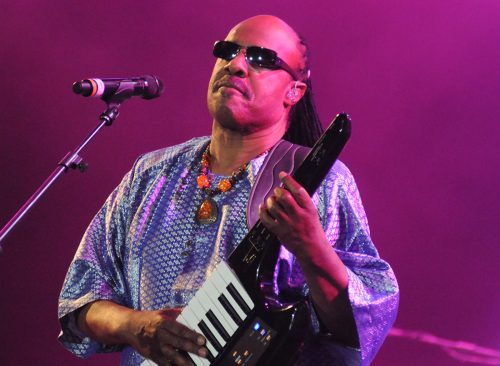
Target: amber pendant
207 212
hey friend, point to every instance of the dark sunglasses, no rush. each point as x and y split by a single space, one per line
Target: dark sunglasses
255 56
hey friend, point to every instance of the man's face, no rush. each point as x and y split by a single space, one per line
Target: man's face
245 98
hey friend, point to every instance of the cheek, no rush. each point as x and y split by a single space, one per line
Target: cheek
217 71
216 74
269 94
213 78
270 84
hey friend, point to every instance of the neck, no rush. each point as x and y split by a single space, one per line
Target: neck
230 149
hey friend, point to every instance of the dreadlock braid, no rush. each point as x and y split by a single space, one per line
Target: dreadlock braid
304 125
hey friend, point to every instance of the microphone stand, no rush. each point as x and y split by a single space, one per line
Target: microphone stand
72 160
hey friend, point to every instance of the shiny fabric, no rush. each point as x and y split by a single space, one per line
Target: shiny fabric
144 250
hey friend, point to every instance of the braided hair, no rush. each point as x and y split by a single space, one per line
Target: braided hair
304 125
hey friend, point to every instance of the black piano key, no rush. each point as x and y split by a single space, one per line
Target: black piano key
210 356
237 297
217 325
230 310
210 336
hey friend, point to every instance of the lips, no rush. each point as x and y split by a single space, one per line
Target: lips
231 83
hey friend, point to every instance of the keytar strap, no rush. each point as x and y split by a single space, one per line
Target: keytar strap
284 156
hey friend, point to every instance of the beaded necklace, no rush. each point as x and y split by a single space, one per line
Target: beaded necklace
207 212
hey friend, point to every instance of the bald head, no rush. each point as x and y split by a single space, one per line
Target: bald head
274 33
266 23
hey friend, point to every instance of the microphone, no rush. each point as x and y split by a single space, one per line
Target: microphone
147 86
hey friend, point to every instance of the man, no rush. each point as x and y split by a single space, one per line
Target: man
181 210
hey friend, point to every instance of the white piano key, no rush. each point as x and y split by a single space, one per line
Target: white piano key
199 361
228 275
187 317
220 284
196 308
209 303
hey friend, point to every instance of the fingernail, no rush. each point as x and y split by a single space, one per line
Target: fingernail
282 175
200 341
202 352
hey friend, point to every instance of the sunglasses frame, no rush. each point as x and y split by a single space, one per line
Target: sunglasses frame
253 56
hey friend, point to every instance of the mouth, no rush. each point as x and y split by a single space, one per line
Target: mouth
232 85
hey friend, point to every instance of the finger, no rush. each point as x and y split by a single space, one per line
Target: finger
275 209
170 315
171 354
269 222
298 192
177 341
181 330
285 200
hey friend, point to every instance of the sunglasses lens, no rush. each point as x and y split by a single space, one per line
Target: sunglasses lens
256 56
262 57
226 50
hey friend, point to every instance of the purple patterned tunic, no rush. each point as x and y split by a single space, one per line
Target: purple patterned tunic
144 250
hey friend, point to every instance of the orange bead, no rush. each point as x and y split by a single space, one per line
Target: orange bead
202 181
225 185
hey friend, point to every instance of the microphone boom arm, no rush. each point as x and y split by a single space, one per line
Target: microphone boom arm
72 160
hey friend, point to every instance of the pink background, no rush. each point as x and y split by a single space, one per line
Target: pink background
421 82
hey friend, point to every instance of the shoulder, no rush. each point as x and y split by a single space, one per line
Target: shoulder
162 159
340 172
338 185
339 182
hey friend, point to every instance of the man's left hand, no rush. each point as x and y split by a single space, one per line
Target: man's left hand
292 216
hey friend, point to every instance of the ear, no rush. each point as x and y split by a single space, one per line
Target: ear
295 93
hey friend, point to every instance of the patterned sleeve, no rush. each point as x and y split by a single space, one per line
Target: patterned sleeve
95 272
372 289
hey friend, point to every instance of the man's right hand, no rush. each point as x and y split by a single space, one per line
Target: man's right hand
154 334
159 337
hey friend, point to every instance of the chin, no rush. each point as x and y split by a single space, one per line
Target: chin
227 119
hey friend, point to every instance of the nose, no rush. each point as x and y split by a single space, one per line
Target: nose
237 66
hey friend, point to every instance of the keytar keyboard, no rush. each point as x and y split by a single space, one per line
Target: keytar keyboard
218 310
